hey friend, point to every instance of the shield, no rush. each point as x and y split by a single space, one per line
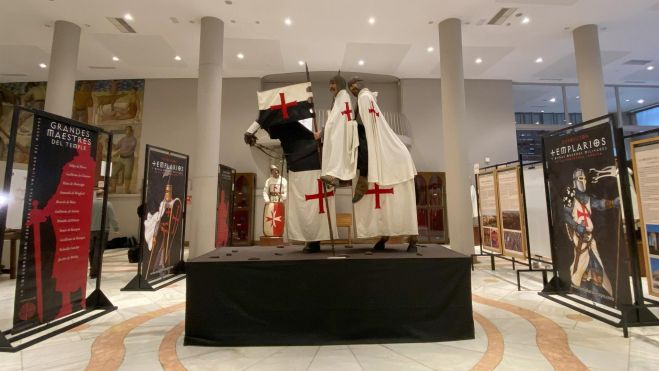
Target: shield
273 219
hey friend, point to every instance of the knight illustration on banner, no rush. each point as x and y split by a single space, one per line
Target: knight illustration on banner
587 270
275 192
160 229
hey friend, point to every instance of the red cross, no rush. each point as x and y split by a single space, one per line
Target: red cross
584 212
284 106
347 111
377 191
373 111
319 196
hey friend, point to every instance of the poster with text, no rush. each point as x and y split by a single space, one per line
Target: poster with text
588 234
489 212
54 251
536 212
645 154
225 179
513 232
164 199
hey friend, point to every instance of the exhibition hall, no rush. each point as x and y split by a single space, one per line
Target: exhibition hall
329 185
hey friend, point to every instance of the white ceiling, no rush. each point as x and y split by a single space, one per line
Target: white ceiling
332 34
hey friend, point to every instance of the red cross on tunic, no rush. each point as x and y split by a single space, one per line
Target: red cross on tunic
319 196
373 111
347 111
377 191
283 106
585 214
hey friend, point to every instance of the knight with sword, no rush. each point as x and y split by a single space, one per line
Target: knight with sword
587 270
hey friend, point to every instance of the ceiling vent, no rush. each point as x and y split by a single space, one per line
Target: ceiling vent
102 67
121 25
550 79
13 74
637 62
502 16
634 82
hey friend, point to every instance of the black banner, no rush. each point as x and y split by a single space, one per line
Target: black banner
588 230
165 193
52 270
225 179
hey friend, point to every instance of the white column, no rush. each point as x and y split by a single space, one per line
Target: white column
205 158
589 72
62 68
455 143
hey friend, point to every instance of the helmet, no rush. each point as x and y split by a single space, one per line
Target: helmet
579 180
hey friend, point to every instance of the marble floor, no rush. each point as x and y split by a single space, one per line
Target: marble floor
515 330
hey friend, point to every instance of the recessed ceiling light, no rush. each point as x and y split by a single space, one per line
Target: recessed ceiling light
288 21
627 100
640 101
240 55
371 20
128 17
430 49
577 97
649 68
539 60
115 58
526 20
569 123
553 100
301 63
542 111
361 62
478 60
178 57
43 65
537 122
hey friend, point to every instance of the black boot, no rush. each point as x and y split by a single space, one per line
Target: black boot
380 244
311 247
411 247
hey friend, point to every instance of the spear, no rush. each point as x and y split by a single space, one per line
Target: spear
320 157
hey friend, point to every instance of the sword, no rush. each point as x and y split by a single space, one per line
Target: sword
609 171
320 157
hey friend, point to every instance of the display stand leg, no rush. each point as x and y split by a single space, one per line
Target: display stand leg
519 285
98 300
179 268
492 262
138 283
513 263
5 345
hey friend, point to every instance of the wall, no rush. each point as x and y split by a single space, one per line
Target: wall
490 121
169 118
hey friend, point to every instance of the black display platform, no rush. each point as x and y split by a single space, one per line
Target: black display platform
287 297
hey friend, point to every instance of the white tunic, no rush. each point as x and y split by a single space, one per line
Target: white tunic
275 189
389 206
340 139
389 161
